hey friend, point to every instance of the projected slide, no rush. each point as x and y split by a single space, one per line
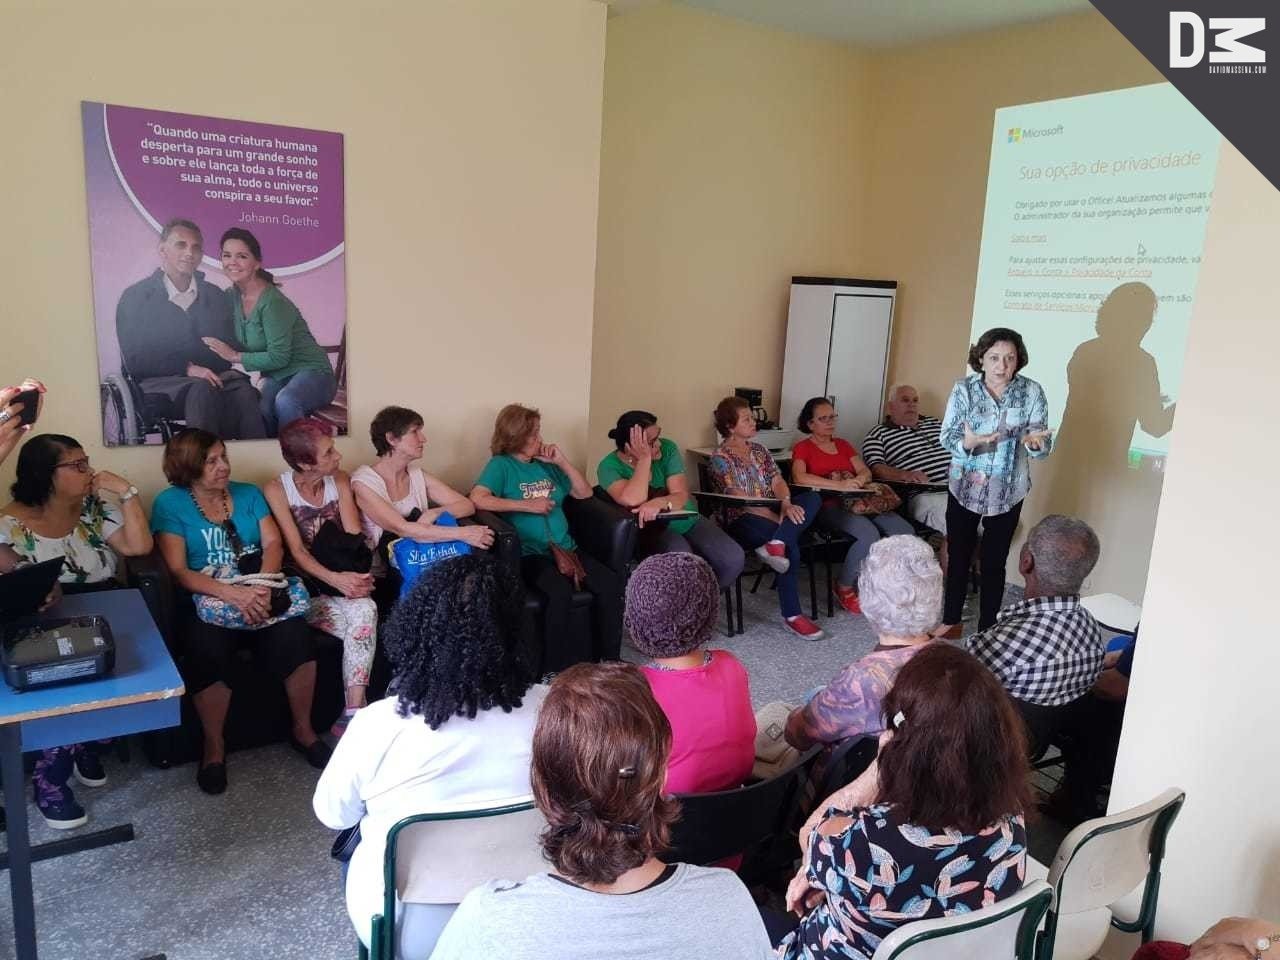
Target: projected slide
1091 242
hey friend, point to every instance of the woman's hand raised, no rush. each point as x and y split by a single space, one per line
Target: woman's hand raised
106 482
972 441
550 453
637 448
1037 440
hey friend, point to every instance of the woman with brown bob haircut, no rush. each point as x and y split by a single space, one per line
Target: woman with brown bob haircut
527 481
945 830
600 752
205 523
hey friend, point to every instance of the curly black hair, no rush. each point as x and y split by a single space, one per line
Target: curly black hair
453 641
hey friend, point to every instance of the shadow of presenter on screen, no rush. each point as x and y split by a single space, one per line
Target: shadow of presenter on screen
1113 385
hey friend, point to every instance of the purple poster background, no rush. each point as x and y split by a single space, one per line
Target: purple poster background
285 184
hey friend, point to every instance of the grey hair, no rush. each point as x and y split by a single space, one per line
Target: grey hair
1064 550
893 391
900 587
185 224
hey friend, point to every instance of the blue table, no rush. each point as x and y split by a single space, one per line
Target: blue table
143 693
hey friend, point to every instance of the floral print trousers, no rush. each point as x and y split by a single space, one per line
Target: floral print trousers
355 623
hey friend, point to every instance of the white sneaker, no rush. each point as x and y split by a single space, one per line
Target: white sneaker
774 555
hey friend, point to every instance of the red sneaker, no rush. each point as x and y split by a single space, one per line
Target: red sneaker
774 554
805 627
848 598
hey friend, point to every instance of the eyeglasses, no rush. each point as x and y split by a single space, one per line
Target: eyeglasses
829 418
80 466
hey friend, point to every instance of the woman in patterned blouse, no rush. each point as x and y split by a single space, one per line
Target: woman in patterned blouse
742 468
996 421
63 508
944 833
312 493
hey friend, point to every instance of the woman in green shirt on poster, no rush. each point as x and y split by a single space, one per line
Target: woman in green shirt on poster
646 474
296 375
526 481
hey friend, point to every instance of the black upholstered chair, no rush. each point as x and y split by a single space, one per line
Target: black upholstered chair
602 529
259 711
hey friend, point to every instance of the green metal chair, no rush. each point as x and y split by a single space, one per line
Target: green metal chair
1002 931
1097 865
505 847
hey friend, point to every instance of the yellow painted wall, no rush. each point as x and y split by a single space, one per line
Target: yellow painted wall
1202 705
934 107
734 156
472 162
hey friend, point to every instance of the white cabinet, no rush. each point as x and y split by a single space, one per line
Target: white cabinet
838 346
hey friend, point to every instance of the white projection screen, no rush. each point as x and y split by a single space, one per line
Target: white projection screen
1091 241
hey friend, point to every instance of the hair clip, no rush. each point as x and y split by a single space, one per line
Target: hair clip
626 773
899 719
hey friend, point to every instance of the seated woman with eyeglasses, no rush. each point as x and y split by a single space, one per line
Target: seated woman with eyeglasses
203 521
62 508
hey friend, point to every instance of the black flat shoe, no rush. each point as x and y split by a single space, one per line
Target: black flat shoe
317 753
212 778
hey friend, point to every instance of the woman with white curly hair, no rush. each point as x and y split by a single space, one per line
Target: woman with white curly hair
900 589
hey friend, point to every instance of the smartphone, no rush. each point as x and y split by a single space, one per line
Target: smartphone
30 400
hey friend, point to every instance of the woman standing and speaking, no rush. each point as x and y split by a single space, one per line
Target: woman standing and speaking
996 421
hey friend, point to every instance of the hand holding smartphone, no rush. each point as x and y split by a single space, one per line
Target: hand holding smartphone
19 408
30 400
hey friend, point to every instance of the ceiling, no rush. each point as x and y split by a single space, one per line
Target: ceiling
879 23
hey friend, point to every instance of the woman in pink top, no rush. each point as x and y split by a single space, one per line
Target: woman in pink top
672 608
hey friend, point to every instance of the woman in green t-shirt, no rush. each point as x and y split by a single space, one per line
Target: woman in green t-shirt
646 474
297 377
527 480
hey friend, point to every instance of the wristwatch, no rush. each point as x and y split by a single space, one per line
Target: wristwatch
1264 943
129 494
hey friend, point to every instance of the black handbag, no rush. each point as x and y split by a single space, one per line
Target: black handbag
335 549
345 843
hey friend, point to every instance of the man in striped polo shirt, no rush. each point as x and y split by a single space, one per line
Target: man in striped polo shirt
905 449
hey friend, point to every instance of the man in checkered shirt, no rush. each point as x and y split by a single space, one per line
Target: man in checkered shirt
1047 649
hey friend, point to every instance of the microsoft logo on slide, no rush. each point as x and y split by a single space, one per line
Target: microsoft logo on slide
1018 134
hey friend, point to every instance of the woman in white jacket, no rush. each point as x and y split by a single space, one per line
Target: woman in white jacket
453 733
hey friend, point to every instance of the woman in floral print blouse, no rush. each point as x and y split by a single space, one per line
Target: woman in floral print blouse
62 508
945 833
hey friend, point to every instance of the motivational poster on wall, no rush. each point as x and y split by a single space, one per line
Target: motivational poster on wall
219 273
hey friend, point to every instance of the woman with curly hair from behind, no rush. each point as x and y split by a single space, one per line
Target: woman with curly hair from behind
453 733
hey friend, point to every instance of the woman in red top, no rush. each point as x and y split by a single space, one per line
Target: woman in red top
813 462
